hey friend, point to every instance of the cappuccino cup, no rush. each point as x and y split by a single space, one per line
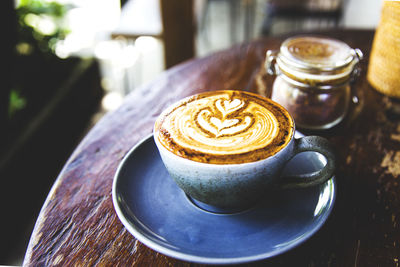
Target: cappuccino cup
227 149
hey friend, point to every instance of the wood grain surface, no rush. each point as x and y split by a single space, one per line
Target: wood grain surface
79 227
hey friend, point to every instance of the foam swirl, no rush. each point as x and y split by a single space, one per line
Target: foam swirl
219 125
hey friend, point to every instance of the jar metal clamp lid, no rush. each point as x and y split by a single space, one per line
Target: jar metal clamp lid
315 61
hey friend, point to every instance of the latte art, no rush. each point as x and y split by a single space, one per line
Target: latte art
218 122
224 127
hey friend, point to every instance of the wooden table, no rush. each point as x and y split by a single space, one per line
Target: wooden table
78 224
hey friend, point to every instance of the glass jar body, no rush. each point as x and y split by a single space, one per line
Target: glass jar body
312 107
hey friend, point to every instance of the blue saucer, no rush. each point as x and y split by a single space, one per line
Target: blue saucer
157 212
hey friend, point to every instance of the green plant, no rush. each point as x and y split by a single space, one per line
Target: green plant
16 102
40 25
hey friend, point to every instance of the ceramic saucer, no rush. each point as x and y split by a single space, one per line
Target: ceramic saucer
157 212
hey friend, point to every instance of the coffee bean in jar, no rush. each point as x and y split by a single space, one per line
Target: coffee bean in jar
314 76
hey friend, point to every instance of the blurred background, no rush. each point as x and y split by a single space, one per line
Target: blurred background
68 62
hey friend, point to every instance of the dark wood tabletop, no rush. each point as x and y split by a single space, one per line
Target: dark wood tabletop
78 225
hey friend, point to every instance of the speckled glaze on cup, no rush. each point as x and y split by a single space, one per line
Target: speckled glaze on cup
238 186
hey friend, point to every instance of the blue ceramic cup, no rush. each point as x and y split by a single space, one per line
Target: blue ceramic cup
239 185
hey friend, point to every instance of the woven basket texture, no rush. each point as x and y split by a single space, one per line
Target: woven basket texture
384 65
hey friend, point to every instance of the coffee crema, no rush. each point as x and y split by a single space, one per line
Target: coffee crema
225 127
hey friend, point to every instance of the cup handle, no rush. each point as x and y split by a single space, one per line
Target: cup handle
314 144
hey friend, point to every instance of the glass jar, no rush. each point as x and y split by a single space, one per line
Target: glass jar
314 76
